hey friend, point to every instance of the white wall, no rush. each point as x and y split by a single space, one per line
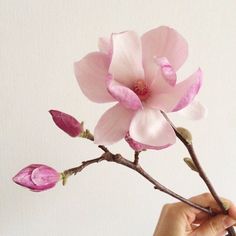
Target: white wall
39 41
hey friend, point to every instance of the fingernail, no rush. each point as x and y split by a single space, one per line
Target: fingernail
226 204
232 212
228 221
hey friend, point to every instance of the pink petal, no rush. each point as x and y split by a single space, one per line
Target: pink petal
167 70
44 175
149 127
123 95
185 91
161 91
113 125
40 188
91 72
194 111
158 147
105 45
126 65
155 79
136 146
161 80
23 177
161 101
164 42
177 97
37 177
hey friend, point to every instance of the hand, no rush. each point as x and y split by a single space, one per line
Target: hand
180 219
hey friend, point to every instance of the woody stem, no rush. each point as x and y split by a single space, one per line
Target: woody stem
119 159
202 174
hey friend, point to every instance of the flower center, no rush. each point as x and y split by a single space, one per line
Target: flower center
141 89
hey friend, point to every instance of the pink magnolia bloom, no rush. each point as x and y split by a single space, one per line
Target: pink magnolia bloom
37 177
139 74
67 123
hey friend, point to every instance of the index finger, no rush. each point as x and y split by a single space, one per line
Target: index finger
207 200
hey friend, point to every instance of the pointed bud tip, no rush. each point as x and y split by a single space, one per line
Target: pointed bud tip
185 134
53 112
190 164
67 123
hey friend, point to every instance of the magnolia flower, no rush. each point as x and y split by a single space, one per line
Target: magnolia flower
37 177
67 123
139 74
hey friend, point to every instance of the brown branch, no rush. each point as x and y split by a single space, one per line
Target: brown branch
121 160
201 172
108 156
103 148
75 170
136 157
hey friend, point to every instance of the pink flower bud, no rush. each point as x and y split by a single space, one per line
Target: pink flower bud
37 177
67 123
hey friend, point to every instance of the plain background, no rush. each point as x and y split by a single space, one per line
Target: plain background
39 42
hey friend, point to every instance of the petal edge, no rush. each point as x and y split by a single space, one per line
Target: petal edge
123 95
149 127
113 125
126 64
190 88
91 72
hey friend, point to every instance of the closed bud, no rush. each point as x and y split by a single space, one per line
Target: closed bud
67 123
190 164
185 134
37 177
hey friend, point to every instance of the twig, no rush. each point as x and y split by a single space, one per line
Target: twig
103 148
75 170
117 158
136 157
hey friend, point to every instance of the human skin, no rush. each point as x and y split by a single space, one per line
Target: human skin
180 219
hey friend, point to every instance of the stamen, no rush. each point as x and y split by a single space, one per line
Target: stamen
141 89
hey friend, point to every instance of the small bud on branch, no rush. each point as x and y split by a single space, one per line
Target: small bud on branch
185 134
37 177
190 164
67 123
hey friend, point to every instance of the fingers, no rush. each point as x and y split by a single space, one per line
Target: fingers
215 226
232 211
207 200
201 217
184 217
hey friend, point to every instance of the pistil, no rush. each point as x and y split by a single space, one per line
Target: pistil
141 89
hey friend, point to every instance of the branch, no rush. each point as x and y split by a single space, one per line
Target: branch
136 157
117 158
103 148
73 171
201 172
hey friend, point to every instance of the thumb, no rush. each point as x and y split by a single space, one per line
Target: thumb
215 225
